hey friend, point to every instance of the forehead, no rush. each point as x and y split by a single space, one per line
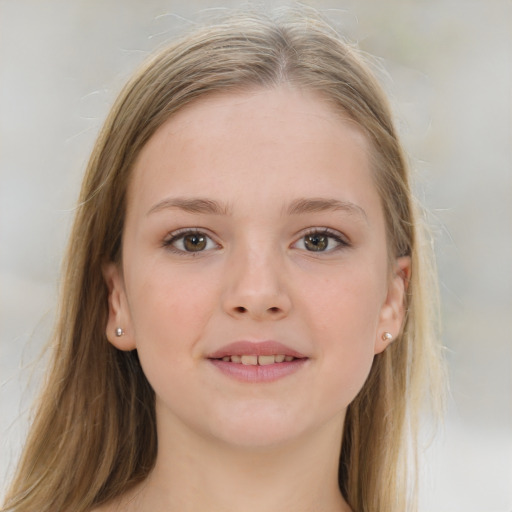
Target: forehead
252 145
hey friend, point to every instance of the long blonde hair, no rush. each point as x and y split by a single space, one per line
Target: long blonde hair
94 434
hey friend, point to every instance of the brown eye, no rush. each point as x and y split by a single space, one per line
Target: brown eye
324 240
194 242
316 242
188 241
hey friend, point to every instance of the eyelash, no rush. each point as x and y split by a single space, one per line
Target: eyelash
180 234
341 241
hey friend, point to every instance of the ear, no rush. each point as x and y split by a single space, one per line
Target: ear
118 311
393 311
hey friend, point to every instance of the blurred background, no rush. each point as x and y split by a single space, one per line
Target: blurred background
447 65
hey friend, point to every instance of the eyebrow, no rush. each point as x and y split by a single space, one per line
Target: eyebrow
297 207
192 205
317 205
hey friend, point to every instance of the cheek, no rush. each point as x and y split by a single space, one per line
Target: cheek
169 312
168 308
346 305
344 314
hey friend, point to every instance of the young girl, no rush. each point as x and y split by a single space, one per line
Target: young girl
246 318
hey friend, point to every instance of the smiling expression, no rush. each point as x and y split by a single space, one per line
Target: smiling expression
255 282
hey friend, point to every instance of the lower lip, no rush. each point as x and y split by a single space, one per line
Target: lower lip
258 373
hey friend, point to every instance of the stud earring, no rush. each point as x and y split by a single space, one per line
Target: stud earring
387 336
119 332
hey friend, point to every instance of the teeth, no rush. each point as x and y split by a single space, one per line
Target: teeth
258 360
263 360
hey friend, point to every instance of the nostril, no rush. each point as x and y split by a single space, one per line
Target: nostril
274 310
240 309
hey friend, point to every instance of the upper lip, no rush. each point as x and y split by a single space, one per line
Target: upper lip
255 348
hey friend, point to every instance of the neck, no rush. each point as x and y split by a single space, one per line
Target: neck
195 473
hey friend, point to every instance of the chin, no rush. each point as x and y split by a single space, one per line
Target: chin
259 427
258 437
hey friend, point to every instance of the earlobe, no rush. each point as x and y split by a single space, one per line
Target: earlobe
394 308
119 332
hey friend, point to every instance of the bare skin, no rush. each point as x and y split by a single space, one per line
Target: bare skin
291 246
294 478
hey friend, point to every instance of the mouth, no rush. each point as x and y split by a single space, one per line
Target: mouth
256 353
252 359
257 361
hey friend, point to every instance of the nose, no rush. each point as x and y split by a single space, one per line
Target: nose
256 287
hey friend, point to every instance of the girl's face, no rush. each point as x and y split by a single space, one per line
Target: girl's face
254 233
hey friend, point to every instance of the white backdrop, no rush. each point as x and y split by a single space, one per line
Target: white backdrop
449 71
